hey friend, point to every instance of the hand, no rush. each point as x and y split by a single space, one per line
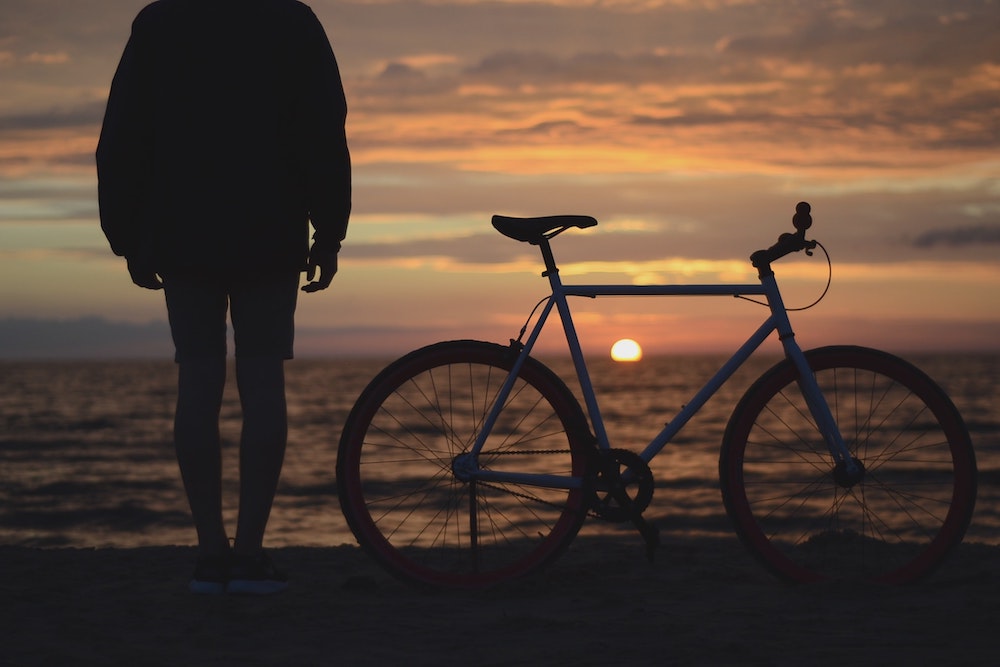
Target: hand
327 264
144 275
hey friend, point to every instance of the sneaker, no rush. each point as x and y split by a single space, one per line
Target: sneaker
255 575
211 575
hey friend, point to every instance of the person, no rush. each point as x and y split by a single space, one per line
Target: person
223 140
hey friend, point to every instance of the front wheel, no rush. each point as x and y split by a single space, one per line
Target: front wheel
403 479
808 521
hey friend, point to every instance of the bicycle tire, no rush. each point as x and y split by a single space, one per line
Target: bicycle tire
899 522
401 497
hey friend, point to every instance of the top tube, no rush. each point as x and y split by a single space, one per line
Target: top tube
721 289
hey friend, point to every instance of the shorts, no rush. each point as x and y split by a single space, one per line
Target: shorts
262 311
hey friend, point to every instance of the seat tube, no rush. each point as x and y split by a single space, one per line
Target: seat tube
579 363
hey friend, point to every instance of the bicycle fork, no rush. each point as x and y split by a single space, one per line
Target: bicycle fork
847 470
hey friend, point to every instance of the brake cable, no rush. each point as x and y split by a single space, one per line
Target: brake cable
829 280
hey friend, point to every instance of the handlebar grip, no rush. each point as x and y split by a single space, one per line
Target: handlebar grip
802 220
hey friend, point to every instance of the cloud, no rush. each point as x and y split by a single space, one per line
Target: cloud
57 58
46 199
740 86
889 33
959 237
860 88
664 257
87 115
699 124
409 211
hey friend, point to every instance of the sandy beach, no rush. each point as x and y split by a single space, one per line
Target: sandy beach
703 601
80 475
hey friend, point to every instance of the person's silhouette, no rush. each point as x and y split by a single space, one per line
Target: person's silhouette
223 138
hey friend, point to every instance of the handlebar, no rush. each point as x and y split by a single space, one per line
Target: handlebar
788 242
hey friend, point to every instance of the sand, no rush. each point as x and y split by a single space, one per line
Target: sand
703 601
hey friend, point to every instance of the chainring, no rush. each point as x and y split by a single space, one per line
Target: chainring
618 470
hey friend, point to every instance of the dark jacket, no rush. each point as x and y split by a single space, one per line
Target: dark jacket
223 137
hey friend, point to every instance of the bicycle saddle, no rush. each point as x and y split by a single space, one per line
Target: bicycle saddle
533 230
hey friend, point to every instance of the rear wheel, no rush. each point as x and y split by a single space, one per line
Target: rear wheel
805 519
399 467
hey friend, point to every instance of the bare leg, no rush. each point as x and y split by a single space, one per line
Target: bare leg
199 452
261 384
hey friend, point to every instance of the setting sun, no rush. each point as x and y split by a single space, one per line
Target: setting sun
626 350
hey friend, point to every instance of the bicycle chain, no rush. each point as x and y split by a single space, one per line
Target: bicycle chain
525 496
533 451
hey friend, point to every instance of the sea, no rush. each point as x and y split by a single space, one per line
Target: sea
86 454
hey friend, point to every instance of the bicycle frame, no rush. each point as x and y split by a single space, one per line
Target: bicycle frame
465 463
777 321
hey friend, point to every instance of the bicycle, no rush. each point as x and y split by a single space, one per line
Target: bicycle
466 463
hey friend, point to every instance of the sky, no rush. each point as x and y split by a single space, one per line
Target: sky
688 129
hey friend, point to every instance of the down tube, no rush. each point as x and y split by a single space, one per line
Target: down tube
712 386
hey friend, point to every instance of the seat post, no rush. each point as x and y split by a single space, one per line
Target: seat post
550 261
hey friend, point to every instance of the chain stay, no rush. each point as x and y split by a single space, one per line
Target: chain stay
597 508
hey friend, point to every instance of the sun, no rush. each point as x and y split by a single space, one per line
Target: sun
626 350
